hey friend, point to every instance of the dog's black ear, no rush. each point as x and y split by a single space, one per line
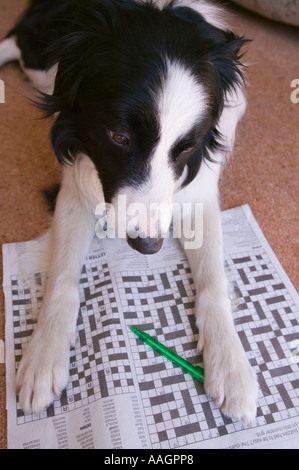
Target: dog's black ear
87 43
226 59
65 138
88 38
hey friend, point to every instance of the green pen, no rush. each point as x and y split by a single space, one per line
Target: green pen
196 371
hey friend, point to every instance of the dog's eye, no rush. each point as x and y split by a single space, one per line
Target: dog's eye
183 148
187 149
120 139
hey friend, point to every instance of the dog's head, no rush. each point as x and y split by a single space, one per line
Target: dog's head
140 90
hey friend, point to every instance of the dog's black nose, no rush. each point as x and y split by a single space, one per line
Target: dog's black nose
146 246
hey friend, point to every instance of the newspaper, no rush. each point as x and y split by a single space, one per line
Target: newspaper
122 394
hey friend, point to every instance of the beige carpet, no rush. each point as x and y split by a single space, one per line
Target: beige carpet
262 173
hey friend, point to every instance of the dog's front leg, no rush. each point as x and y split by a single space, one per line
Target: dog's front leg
229 378
43 371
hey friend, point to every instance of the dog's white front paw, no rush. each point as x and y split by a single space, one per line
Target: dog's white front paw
43 373
230 380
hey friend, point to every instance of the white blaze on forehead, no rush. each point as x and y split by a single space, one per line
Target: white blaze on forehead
181 104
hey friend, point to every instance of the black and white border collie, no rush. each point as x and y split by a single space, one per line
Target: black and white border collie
146 96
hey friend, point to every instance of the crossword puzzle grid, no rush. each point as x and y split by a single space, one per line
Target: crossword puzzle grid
177 409
267 323
99 365
162 303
